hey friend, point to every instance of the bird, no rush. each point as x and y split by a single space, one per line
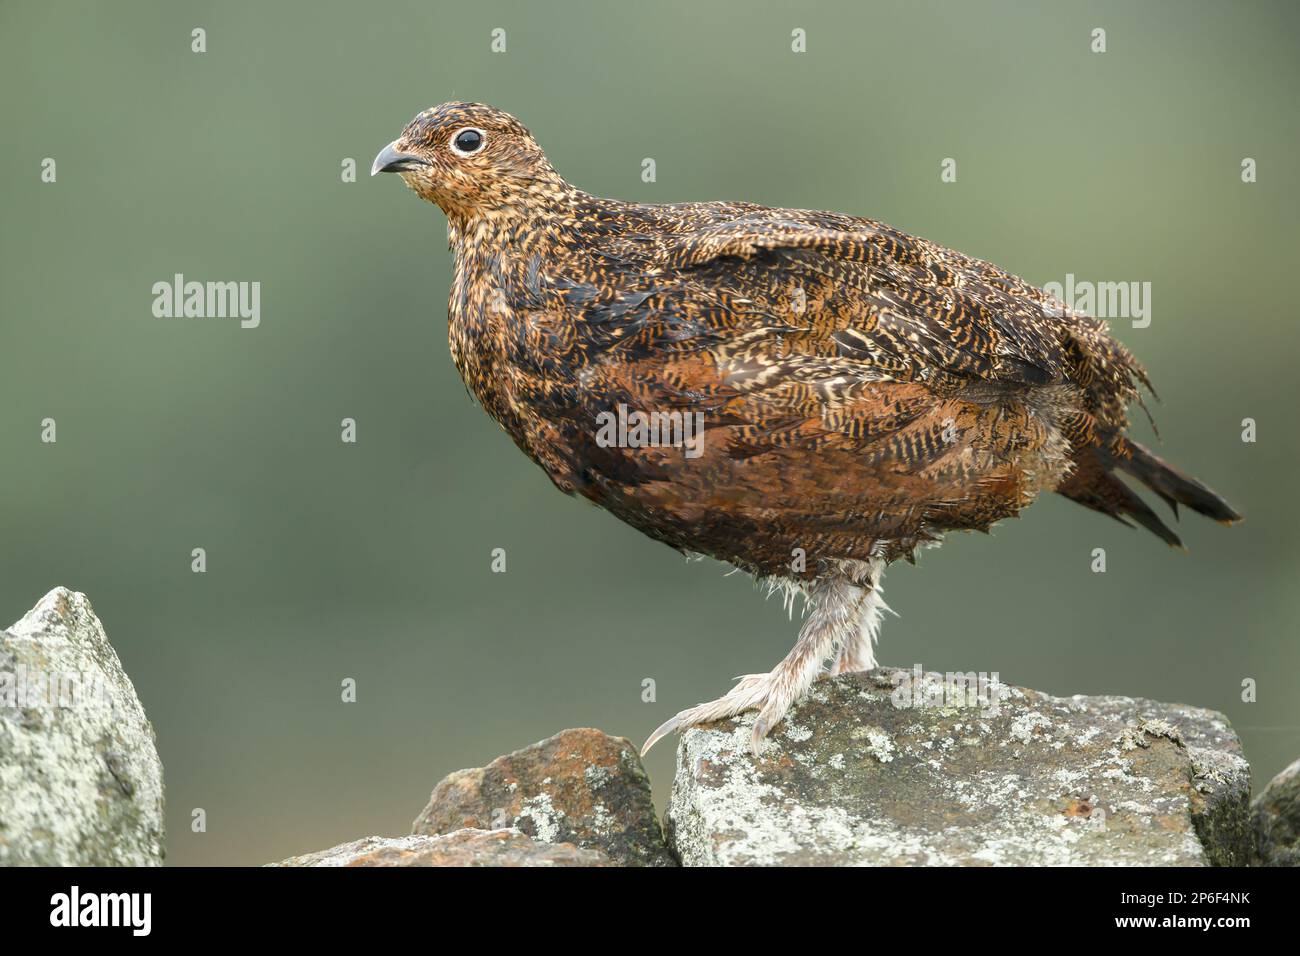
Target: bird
806 396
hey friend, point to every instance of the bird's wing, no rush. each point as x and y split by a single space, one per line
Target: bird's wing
897 306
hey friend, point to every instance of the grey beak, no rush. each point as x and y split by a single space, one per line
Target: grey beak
390 160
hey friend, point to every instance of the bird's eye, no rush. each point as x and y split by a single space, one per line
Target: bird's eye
468 141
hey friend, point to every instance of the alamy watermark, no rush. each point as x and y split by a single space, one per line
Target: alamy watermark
917 689
30 688
179 299
1105 300
636 429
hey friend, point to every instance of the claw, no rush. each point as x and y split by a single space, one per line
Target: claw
663 730
758 738
750 692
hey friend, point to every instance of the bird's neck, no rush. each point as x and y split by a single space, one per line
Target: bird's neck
516 209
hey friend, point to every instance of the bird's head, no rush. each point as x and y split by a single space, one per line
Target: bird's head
470 159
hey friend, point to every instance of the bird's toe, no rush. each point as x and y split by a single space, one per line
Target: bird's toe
660 732
773 713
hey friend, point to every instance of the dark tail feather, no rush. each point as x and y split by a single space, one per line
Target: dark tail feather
1171 484
1094 485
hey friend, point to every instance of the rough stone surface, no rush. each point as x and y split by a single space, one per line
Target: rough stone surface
850 777
461 848
1277 819
80 779
580 786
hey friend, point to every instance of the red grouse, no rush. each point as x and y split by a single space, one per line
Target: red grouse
807 396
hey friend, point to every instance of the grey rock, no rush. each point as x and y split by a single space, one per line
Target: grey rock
80 779
852 777
468 847
580 786
1276 816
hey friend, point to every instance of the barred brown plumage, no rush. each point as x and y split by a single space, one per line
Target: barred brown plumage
861 391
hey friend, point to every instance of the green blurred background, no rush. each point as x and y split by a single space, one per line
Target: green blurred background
371 561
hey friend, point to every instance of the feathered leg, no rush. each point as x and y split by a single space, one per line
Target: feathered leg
836 604
858 653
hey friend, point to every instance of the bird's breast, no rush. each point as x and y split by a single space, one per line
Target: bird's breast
515 351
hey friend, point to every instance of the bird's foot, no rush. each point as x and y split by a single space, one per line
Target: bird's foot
837 606
753 691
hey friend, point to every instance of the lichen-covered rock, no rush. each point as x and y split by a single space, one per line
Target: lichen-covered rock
580 786
857 775
1277 819
80 779
461 848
